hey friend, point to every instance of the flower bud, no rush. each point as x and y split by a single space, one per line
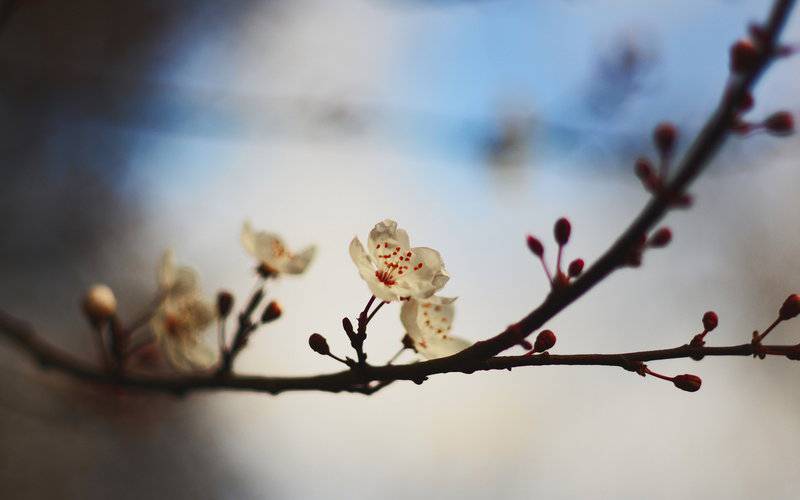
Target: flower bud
271 312
710 320
661 238
687 382
780 123
790 307
347 325
562 230
645 172
743 56
99 303
535 246
544 341
643 169
224 303
318 344
664 137
575 268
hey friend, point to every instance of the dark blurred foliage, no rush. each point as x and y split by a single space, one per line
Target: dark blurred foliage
74 77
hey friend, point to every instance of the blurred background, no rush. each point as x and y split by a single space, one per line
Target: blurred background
129 127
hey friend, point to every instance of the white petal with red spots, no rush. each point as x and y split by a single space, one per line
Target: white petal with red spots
428 322
392 269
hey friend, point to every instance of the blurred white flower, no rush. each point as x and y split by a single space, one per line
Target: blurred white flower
428 323
174 281
392 269
182 317
271 252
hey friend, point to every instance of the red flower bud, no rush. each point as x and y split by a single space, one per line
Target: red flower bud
562 230
780 123
687 382
318 344
644 169
271 312
544 341
224 303
710 320
661 238
790 307
535 246
664 137
575 268
743 56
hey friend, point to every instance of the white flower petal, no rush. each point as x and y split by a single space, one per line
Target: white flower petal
425 275
361 259
381 291
408 316
298 263
178 326
428 323
176 280
385 238
248 238
270 250
165 274
435 318
439 348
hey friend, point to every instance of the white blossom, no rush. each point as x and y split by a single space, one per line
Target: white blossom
428 322
392 269
182 317
270 251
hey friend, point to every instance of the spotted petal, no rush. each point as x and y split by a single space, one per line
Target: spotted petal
428 323
386 238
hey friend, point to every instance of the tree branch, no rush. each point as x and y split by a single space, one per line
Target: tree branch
368 379
358 381
700 153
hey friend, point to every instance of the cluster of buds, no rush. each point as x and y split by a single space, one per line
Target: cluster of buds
660 238
710 322
247 325
745 53
561 232
665 136
744 58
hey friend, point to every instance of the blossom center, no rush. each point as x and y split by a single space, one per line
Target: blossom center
393 263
